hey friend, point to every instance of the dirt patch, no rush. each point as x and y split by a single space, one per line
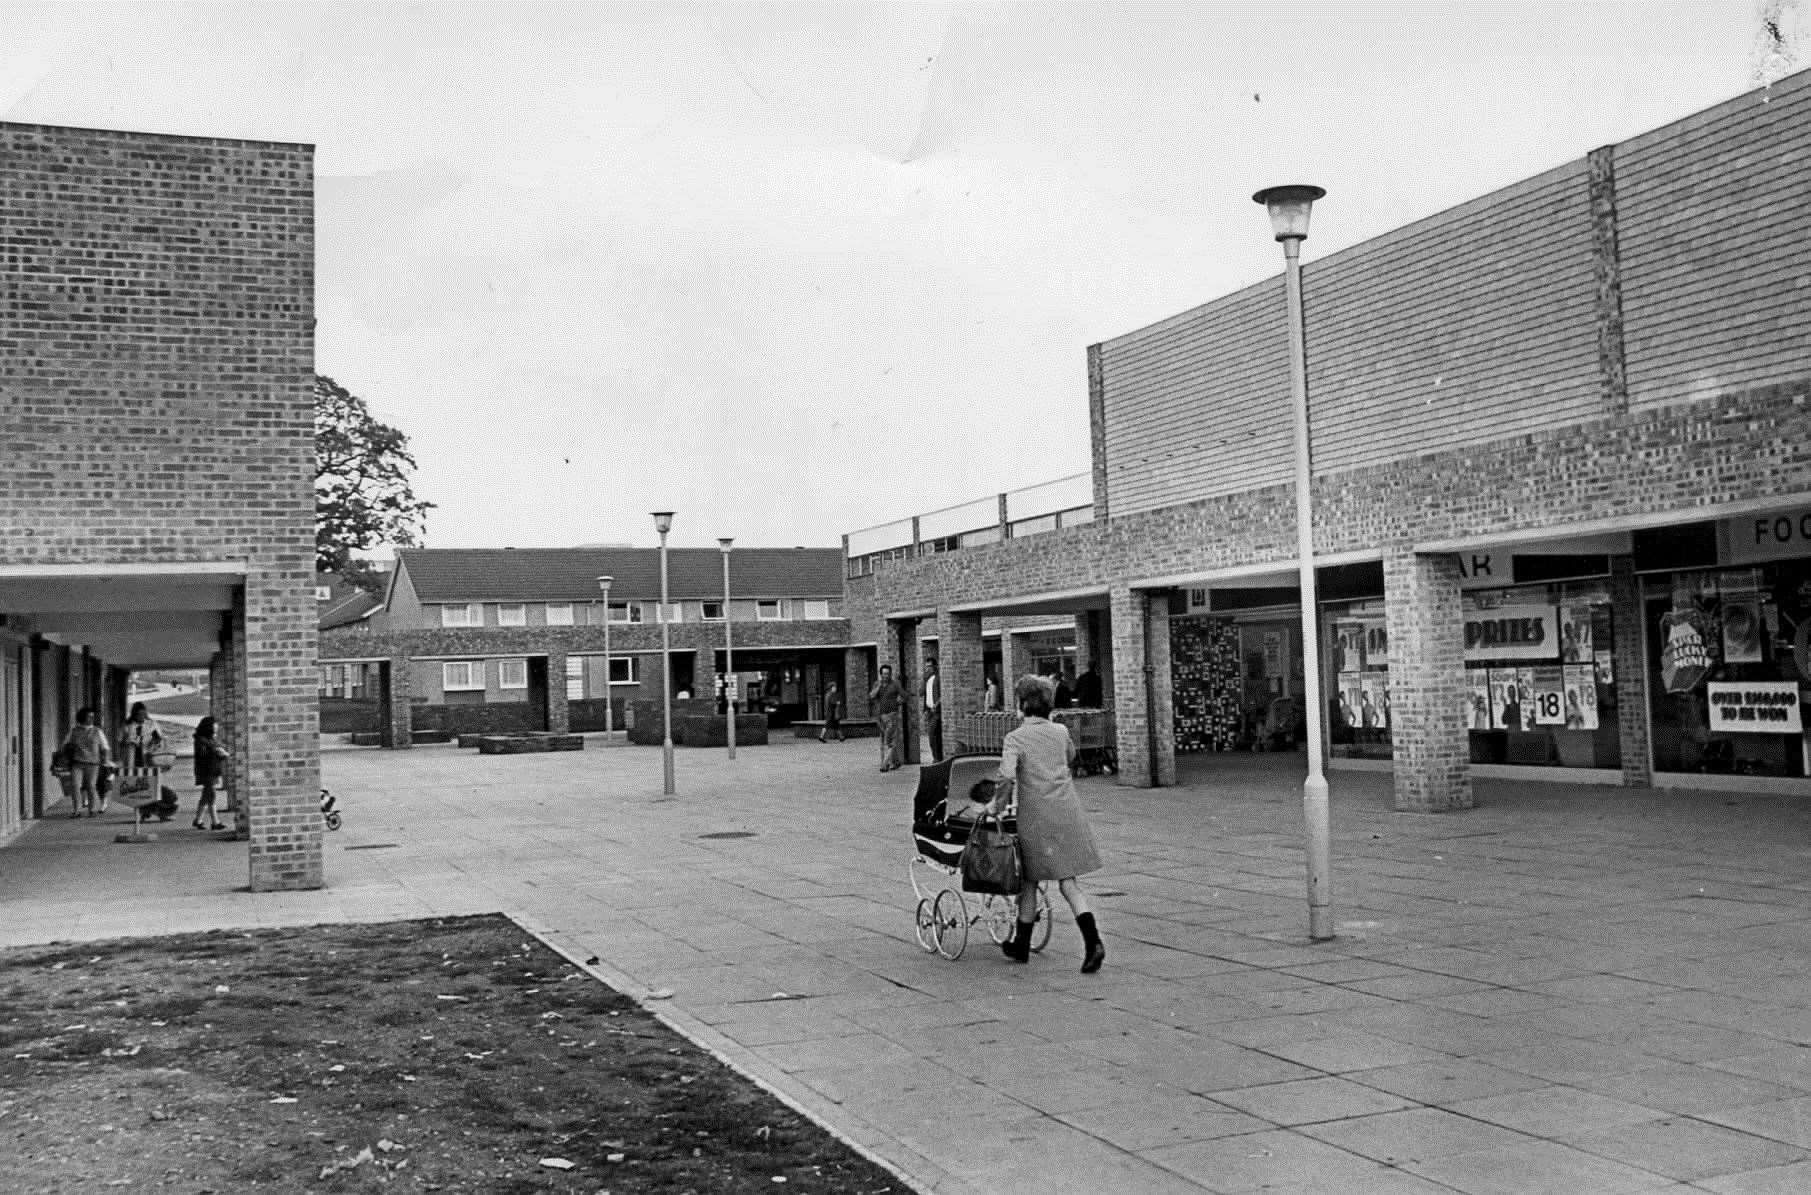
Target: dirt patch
456 1054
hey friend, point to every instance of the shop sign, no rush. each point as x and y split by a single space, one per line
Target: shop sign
1512 633
1198 600
1755 707
1483 570
1782 535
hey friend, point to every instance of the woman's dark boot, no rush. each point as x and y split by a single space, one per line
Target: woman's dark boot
1093 952
1019 949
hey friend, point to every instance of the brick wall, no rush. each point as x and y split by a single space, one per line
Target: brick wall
156 364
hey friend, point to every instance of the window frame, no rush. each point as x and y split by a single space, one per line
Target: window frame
447 684
779 610
554 622
473 615
505 667
722 614
816 609
631 666
518 616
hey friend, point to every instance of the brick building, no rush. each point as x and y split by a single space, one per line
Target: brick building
156 422
1561 490
499 640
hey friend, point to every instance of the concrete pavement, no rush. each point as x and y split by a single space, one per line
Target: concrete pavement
1568 989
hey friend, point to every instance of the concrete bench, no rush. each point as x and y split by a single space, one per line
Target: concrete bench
532 743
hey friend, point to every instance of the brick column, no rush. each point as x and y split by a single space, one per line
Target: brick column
857 680
910 673
1631 681
1428 693
1144 719
282 729
959 664
231 712
559 713
1084 642
1015 657
399 732
1103 651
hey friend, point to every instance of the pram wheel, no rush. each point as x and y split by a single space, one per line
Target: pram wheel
927 928
1040 933
1002 914
333 821
949 923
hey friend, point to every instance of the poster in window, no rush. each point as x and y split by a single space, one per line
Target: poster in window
1377 645
1581 697
1549 695
1349 647
1374 701
1273 653
1742 630
1755 707
1606 671
1505 700
1478 717
1350 692
1575 637
1524 680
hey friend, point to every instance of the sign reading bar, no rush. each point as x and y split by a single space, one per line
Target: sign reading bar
1512 633
1755 707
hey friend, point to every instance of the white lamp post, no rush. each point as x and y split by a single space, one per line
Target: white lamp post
1289 207
663 523
603 584
729 659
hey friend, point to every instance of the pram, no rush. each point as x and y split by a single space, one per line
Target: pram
942 816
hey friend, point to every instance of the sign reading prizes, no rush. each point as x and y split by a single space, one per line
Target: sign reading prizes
1755 707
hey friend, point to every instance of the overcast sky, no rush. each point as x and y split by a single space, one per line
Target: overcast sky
793 270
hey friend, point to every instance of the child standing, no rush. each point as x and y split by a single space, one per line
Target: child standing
210 767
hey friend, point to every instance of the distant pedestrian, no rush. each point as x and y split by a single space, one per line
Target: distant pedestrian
85 751
1054 837
210 770
886 698
933 709
990 697
140 739
833 714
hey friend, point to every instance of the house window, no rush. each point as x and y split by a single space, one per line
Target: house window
625 670
323 593
816 609
512 614
559 614
462 675
466 615
673 612
713 611
575 678
625 611
767 610
512 674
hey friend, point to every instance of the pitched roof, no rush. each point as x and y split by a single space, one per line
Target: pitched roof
347 603
570 574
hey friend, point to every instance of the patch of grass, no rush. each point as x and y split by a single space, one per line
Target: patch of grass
443 1055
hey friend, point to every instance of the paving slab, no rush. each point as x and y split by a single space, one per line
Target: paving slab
1569 988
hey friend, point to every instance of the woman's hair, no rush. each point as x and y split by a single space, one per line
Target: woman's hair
1034 695
204 729
138 707
84 714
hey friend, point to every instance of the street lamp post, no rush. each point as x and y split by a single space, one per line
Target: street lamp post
603 584
663 523
1289 207
729 659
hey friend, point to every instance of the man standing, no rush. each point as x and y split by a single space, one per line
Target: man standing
885 697
933 709
1087 689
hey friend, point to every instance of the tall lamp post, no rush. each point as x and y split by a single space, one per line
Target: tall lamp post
729 659
603 584
663 523
1289 207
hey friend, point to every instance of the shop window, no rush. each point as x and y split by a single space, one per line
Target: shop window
462 675
559 614
512 614
466 614
512 674
1728 654
1358 711
1540 675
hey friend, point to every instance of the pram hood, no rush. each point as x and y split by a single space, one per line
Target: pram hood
942 793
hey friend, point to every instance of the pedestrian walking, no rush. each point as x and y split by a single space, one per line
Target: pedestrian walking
210 769
85 752
833 714
886 698
1055 842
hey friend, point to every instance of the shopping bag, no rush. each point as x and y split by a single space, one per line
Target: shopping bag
990 861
